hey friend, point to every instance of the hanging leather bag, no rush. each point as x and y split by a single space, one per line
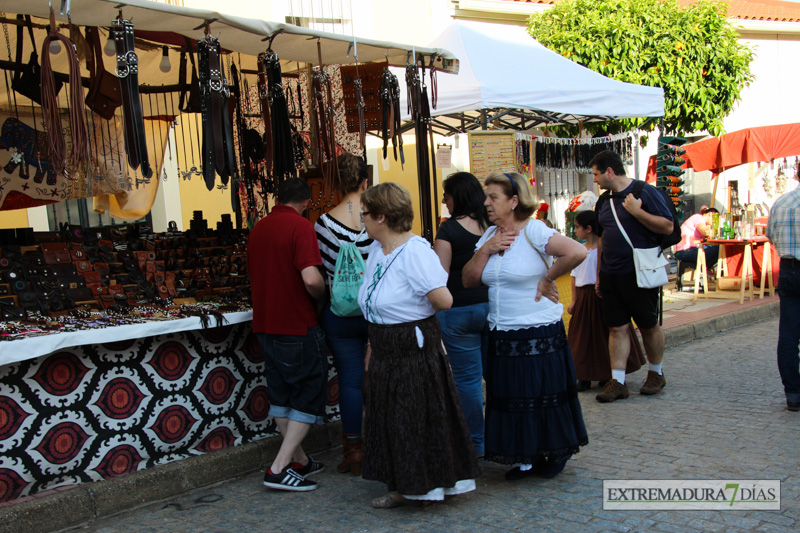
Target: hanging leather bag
28 81
104 96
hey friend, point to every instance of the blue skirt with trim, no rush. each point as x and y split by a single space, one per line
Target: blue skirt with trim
532 407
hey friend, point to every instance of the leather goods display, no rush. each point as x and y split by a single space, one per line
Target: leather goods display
28 81
209 266
390 114
217 142
128 73
361 87
283 161
192 103
263 96
57 257
325 117
50 109
104 95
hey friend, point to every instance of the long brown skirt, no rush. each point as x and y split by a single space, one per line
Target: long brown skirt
415 436
588 339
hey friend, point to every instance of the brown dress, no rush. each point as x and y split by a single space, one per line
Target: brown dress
415 436
588 339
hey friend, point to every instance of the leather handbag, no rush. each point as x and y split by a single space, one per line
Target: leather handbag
92 276
57 257
28 81
104 95
78 254
115 289
83 266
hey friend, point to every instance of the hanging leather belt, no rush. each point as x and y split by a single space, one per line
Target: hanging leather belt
217 148
128 74
398 136
390 107
263 96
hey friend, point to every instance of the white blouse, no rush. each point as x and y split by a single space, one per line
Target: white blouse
586 272
513 280
395 285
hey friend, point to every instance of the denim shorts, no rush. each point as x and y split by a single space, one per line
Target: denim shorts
296 367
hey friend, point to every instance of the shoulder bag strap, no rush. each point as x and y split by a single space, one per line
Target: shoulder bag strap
93 37
541 255
621 229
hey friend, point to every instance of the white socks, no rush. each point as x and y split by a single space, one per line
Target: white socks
619 375
656 368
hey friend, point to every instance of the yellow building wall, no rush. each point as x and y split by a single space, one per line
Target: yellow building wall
18 218
406 175
214 203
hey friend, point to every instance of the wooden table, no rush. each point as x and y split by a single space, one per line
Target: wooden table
745 274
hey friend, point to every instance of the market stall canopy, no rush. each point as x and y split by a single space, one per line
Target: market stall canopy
751 145
243 35
523 84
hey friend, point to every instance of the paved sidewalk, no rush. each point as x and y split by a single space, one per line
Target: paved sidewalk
722 415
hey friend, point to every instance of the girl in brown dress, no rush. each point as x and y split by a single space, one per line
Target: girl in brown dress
587 334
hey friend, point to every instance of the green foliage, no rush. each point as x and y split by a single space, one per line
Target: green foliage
693 53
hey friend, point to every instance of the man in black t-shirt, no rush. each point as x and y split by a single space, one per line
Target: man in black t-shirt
622 300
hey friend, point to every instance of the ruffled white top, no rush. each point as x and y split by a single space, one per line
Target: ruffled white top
513 280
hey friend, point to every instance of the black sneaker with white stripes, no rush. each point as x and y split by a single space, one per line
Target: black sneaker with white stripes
311 468
288 479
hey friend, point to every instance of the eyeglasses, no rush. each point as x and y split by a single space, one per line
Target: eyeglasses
363 213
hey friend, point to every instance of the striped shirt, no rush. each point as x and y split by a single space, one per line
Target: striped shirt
329 238
783 228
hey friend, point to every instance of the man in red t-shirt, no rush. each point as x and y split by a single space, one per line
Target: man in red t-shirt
285 281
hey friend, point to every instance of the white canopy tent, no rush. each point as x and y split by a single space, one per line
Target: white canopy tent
505 70
247 36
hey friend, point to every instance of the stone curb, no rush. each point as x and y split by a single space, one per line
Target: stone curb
711 326
82 505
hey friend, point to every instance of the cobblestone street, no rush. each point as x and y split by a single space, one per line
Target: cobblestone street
722 415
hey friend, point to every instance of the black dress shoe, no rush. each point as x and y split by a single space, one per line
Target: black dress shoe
793 406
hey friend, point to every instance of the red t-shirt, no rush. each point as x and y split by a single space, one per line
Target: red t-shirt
280 246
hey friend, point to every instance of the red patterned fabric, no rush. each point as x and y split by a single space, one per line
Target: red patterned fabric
101 411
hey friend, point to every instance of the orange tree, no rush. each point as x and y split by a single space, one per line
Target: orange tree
692 52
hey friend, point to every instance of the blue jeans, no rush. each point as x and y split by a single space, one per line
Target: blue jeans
789 329
465 333
347 337
689 256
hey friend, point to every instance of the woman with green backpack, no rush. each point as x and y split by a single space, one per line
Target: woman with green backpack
343 245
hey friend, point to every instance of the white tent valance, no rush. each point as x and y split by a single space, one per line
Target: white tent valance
243 35
502 67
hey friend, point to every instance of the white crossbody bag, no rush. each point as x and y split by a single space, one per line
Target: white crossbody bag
649 263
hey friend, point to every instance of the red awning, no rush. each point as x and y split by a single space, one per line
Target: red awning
751 145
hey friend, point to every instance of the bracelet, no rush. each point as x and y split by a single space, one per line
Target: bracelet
548 278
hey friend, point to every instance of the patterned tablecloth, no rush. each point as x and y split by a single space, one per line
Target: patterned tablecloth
99 410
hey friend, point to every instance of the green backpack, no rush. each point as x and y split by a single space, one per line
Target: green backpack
348 275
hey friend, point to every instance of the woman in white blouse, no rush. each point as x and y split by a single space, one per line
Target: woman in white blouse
415 437
533 416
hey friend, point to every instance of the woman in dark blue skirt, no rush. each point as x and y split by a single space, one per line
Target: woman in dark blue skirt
533 416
